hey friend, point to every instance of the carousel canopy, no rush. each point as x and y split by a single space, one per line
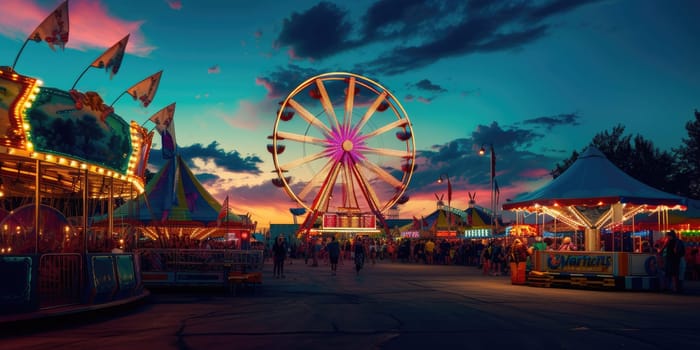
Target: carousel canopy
594 181
174 195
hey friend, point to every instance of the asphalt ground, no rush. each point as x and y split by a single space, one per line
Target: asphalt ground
388 306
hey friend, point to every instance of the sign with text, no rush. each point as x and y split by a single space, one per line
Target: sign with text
580 262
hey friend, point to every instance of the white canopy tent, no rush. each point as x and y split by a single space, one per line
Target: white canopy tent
594 193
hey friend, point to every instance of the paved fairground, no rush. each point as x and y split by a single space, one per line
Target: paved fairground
388 306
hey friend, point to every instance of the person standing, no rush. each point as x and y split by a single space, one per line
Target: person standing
333 249
429 251
566 244
518 262
279 252
359 255
673 252
316 252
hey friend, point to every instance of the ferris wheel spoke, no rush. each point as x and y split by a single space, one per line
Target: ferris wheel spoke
304 160
324 194
366 188
315 180
370 111
327 105
349 102
388 152
310 118
396 124
383 174
299 138
350 199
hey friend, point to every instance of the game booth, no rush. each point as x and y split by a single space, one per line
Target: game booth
593 194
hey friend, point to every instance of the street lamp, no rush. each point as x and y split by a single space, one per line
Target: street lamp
449 199
482 151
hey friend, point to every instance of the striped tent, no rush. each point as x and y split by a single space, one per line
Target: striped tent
175 202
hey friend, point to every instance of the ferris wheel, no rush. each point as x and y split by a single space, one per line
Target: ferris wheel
342 142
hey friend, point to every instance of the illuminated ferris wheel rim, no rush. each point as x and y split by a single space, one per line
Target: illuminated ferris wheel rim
343 141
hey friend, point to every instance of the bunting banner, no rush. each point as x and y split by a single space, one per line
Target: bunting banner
54 29
165 125
145 90
111 59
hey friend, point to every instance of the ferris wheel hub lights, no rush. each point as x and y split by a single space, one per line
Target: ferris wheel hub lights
347 145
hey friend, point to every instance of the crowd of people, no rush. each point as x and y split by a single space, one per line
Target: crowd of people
495 257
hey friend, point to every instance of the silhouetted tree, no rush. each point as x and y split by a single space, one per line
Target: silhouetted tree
636 156
688 160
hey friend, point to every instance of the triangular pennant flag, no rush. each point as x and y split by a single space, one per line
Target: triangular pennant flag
111 59
166 127
54 29
145 90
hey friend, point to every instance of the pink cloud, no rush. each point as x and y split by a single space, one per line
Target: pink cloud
249 115
215 69
91 25
175 4
534 173
292 54
271 92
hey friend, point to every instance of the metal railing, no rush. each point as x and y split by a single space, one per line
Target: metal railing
199 260
60 280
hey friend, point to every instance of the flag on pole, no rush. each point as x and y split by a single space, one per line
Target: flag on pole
493 163
449 192
166 128
223 212
145 90
111 59
496 190
54 29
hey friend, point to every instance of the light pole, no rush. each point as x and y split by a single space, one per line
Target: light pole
482 151
449 199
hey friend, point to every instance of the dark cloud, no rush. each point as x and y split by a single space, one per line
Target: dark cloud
206 178
232 161
508 139
427 85
500 25
282 81
419 32
460 158
550 122
395 19
321 31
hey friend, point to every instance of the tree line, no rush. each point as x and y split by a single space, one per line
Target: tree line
676 171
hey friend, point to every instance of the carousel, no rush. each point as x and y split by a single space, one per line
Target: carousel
65 158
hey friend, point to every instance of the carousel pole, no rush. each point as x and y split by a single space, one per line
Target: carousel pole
85 210
110 209
37 204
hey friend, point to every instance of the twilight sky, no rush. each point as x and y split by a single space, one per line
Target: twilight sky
537 79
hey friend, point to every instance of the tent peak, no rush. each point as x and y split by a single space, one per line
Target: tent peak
592 152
